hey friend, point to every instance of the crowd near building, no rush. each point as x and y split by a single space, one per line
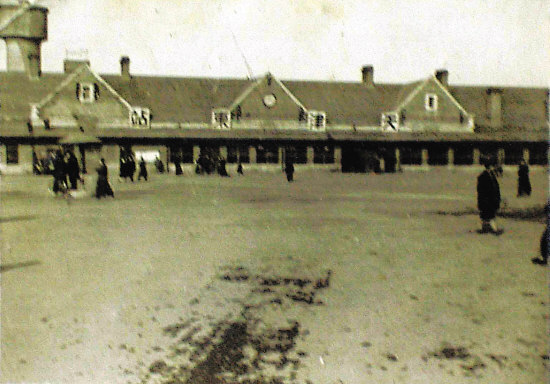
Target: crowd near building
351 126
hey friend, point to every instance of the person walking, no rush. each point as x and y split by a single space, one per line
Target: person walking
59 173
524 184
159 165
103 188
73 170
221 168
240 169
289 170
142 169
488 198
131 166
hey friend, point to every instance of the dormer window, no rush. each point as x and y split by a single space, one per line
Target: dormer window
221 118
390 122
87 92
302 115
317 120
430 102
140 117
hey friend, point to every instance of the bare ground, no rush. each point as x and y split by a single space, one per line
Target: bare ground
209 280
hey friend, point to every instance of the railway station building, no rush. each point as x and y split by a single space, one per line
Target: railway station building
260 122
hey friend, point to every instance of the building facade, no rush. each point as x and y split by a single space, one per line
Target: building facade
265 121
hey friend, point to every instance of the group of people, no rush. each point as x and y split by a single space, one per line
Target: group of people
489 199
65 170
210 163
128 167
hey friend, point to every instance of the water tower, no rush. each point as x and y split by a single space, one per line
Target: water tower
23 26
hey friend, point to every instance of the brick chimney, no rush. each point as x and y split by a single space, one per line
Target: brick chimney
442 75
367 75
125 67
494 107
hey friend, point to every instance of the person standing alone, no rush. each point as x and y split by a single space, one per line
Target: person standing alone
289 170
103 188
142 170
488 198
524 184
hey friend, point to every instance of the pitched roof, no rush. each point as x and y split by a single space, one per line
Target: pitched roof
191 100
523 108
346 102
184 100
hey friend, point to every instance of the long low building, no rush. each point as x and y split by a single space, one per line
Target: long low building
254 121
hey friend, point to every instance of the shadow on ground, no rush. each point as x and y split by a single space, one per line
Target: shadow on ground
7 267
18 218
536 214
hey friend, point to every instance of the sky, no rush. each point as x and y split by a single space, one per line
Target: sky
482 42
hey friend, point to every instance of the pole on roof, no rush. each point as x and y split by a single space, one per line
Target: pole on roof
248 68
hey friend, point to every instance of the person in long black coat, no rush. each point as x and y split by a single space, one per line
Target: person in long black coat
73 170
488 199
142 170
59 173
289 170
524 184
131 167
222 171
103 188
544 246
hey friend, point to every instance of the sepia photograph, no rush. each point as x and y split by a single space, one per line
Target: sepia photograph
274 192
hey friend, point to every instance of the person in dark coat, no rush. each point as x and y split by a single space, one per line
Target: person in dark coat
488 198
240 169
159 165
289 170
544 246
131 167
73 170
524 184
123 167
221 168
179 169
103 188
59 173
142 170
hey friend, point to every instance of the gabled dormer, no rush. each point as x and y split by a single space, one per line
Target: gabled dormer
267 103
427 106
85 93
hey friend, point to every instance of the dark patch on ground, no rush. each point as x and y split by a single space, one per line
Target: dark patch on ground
472 363
450 352
7 267
536 214
18 218
247 348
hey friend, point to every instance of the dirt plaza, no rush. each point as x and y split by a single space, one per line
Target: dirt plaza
335 278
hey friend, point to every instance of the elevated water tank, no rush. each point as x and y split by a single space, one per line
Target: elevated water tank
23 27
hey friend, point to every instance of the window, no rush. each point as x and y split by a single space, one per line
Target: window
302 115
140 117
221 118
390 122
316 120
87 92
12 154
430 102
